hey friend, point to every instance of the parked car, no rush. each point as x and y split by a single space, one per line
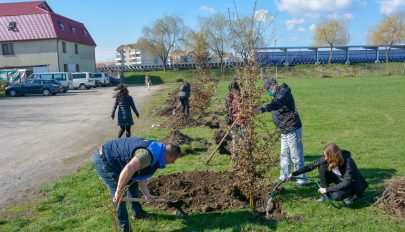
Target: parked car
44 87
83 80
101 79
64 78
114 81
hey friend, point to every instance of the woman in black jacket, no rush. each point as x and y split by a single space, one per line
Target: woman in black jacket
124 102
337 166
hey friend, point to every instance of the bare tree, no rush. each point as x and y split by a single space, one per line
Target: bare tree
389 32
216 29
331 33
163 36
197 46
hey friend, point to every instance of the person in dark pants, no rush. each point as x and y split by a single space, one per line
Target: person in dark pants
126 163
184 95
125 103
337 166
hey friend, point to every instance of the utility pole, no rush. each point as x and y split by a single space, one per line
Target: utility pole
121 77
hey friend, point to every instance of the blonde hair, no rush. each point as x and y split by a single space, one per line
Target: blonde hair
333 154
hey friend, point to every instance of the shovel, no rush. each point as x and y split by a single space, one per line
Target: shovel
175 204
174 111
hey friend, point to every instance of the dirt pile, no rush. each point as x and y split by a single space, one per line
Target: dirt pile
179 121
171 103
208 192
176 137
393 197
225 147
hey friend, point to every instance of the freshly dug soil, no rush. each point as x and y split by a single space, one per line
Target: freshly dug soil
393 197
209 192
225 146
176 137
179 121
171 103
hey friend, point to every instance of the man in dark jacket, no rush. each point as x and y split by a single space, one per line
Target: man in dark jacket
287 120
184 95
125 163
349 182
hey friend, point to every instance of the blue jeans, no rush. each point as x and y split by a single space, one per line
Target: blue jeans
292 149
236 133
110 178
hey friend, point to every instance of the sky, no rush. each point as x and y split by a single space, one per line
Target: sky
115 22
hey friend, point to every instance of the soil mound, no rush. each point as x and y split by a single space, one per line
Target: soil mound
179 121
393 197
171 104
208 192
176 137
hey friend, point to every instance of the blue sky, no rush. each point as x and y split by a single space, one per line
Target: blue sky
112 23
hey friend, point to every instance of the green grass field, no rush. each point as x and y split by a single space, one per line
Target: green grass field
363 115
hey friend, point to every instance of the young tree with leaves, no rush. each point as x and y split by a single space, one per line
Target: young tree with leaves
389 32
331 33
163 36
197 46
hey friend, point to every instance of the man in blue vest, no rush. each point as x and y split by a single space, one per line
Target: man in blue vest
131 161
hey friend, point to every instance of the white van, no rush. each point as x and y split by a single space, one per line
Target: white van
101 79
83 80
64 78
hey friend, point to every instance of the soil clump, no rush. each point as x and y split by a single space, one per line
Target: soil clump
224 148
210 192
180 121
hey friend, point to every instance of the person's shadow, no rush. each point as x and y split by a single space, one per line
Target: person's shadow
228 220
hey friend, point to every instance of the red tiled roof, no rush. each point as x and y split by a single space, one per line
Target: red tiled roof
22 8
35 23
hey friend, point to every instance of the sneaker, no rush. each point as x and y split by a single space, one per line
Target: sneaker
348 201
299 185
141 215
321 199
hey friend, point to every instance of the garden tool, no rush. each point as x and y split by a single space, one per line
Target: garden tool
174 111
222 140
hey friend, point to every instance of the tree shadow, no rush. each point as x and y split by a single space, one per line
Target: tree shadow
140 79
228 220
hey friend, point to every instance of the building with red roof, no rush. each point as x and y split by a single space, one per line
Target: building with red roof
33 36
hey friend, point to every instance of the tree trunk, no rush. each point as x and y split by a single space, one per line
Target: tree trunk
330 55
387 54
221 63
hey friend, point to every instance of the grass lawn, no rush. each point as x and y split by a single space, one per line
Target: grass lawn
2 94
363 115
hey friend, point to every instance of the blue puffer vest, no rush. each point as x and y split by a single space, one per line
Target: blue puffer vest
119 153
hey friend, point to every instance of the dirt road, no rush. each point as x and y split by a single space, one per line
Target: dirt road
45 138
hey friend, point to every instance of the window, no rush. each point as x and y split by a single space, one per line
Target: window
61 26
79 75
85 33
76 49
8 49
64 47
46 77
77 68
59 77
73 29
65 67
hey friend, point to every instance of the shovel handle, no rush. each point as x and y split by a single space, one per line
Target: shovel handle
128 199
222 140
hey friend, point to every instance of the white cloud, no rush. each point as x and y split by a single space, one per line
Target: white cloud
291 23
345 17
207 9
312 8
302 30
262 15
312 27
389 7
